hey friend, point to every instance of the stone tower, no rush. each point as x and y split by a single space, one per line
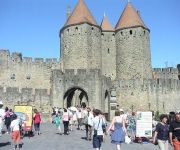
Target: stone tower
81 40
108 49
133 46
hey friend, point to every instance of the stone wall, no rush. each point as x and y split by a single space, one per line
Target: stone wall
147 68
108 54
162 95
133 53
165 73
39 98
20 72
81 47
90 81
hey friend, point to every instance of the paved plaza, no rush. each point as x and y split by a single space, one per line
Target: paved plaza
50 140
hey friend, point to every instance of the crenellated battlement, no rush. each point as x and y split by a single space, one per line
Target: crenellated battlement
16 57
51 60
31 91
39 98
166 70
27 60
39 60
165 73
4 52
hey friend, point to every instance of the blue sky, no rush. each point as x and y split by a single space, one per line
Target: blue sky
32 26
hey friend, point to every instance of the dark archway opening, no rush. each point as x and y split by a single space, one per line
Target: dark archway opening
75 96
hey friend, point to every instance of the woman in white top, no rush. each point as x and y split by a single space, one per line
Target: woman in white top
89 124
2 115
15 131
98 131
79 119
65 119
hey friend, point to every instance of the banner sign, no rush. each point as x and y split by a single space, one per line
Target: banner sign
25 114
144 124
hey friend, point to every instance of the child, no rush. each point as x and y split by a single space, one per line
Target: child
57 121
15 131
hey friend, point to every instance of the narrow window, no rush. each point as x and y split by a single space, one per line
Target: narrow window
67 31
108 51
130 32
28 77
157 81
13 76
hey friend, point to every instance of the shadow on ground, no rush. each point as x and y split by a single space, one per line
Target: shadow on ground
5 144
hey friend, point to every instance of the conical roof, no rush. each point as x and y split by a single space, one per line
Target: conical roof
81 14
106 25
129 18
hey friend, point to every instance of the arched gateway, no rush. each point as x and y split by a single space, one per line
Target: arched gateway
75 96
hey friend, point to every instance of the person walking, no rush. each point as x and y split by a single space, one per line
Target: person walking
57 121
89 124
37 121
98 130
118 130
15 131
174 132
132 126
161 133
104 125
79 119
7 119
71 123
65 119
2 115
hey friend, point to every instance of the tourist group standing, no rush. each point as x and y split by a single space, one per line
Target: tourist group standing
168 132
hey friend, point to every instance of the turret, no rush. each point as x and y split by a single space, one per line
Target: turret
108 49
68 13
133 46
80 40
4 58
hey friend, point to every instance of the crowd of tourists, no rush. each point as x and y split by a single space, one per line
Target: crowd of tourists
92 122
122 127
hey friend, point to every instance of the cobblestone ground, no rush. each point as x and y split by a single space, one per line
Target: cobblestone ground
50 140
